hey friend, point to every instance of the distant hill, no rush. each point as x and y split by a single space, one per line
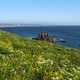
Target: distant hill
18 25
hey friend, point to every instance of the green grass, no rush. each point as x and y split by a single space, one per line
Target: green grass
26 59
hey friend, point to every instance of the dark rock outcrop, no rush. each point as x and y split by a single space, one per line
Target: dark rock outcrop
46 37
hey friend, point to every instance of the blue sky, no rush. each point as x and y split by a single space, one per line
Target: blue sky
40 11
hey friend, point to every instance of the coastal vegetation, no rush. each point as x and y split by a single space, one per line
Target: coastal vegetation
25 59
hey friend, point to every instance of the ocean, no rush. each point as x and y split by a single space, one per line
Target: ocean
71 34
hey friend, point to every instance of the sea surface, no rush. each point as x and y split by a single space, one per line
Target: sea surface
71 34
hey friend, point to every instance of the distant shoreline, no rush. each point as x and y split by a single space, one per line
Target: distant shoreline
3 26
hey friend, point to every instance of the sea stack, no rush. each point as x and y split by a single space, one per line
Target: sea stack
44 36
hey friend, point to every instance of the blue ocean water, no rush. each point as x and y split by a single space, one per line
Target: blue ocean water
71 34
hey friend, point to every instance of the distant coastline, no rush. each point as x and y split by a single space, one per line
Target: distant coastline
33 25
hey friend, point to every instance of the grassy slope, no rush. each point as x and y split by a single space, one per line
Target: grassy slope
24 59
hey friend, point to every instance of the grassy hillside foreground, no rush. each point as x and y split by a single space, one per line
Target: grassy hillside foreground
24 59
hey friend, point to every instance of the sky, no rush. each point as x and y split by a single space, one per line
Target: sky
56 12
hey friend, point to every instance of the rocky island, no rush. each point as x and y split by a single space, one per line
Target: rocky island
43 36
